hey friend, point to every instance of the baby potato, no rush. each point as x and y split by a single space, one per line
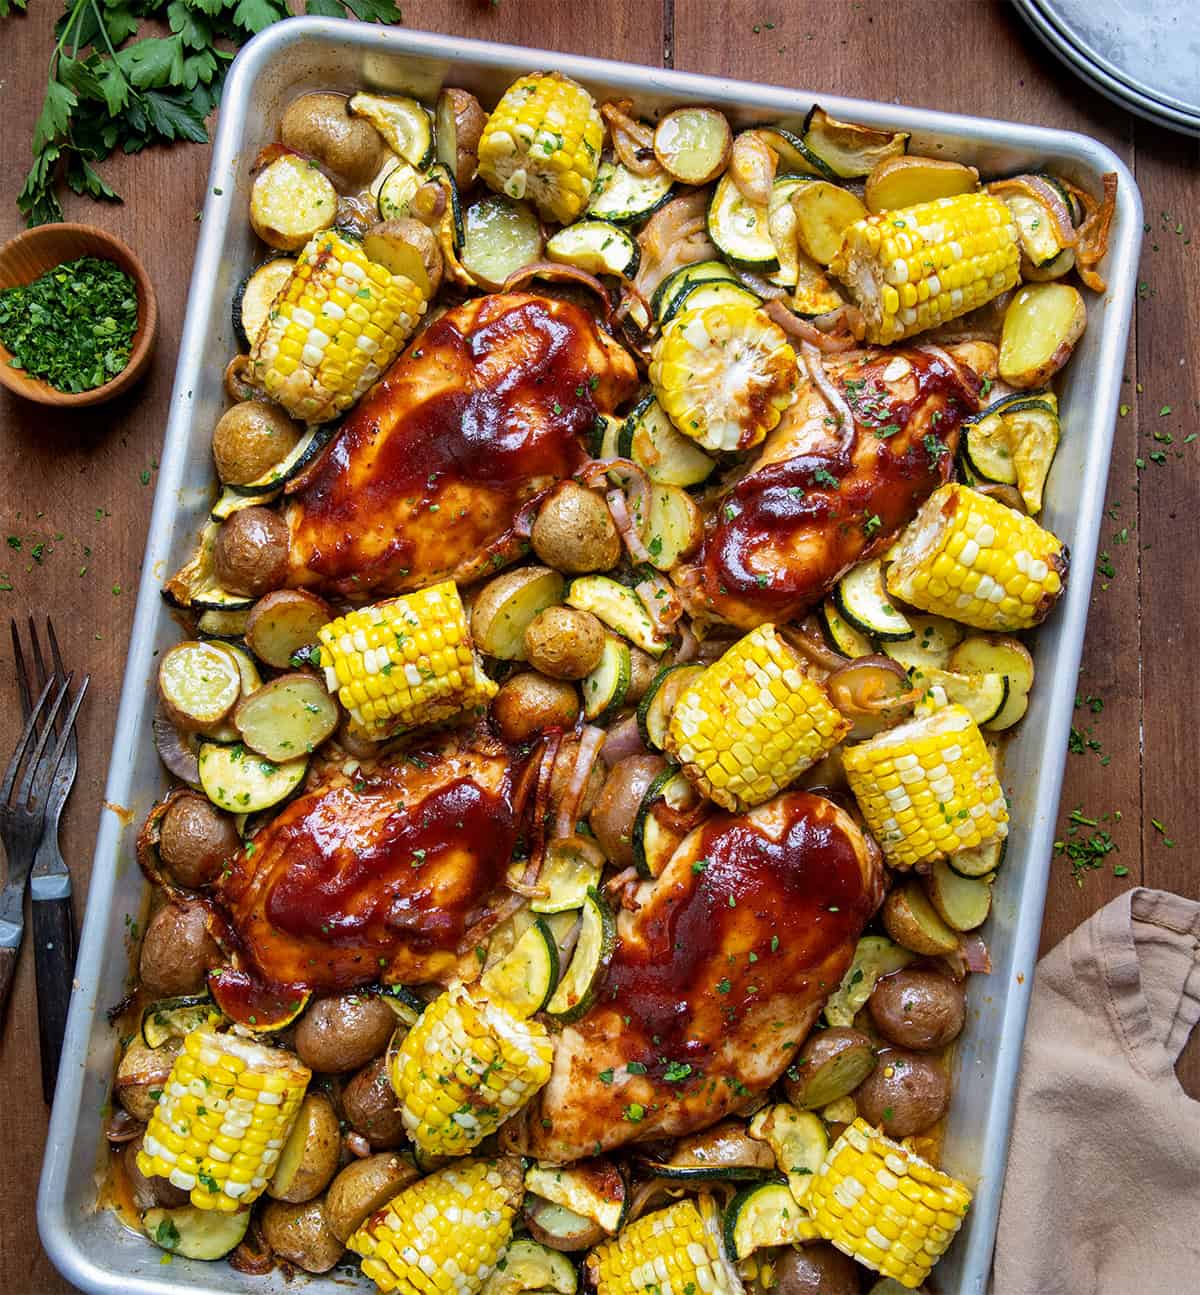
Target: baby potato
505 606
301 1235
343 1032
153 1192
405 246
919 1010
460 122
617 805
907 1093
319 126
250 439
141 1074
365 1186
831 1064
250 555
290 201
370 1107
529 703
309 1157
904 181
196 840
574 531
284 621
564 643
1041 326
177 950
815 1268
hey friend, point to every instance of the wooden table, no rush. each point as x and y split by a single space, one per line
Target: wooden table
81 484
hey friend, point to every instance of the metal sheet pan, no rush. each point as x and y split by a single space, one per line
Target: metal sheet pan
89 1244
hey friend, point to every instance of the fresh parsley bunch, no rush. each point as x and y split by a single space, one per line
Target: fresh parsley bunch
108 90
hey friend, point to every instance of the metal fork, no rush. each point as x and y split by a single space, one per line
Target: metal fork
25 800
50 881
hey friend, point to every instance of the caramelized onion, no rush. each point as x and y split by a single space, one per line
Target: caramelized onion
808 640
660 601
1009 496
174 751
557 270
633 142
1048 196
121 1127
761 287
253 1256
238 383
975 953
871 684
805 330
689 645
591 739
651 1193
1092 236
831 395
623 739
626 498
675 235
357 1145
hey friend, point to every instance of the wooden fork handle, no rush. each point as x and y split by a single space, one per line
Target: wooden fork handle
8 969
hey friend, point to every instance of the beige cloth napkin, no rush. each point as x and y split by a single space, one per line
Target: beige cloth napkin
1102 1195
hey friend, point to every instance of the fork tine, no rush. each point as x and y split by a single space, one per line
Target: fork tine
48 768
14 765
34 763
22 678
59 669
37 652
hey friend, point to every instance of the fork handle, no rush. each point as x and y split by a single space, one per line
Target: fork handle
8 969
54 966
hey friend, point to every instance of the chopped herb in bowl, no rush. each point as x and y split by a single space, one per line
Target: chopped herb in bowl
73 327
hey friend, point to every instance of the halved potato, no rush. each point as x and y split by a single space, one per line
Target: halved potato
309 1157
506 605
290 201
460 122
502 235
284 621
909 918
824 211
693 144
365 1186
407 247
198 684
673 526
288 717
905 181
963 903
1041 326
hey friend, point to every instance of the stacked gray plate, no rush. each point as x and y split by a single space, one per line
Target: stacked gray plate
1141 54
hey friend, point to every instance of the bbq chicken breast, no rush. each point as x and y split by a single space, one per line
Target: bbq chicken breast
485 410
716 979
376 876
822 497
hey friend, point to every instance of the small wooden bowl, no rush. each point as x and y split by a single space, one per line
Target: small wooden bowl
30 255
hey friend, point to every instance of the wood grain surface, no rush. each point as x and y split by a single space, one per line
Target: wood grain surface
77 487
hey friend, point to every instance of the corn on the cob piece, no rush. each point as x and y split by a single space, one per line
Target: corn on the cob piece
915 268
335 326
222 1118
405 662
444 1234
669 1252
752 722
724 374
542 142
927 788
465 1067
972 559
884 1206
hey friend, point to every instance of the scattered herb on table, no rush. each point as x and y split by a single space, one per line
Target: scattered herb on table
74 326
108 91
1085 853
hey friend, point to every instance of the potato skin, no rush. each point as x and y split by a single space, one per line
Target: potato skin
363 1187
153 1192
343 1032
195 841
301 1235
906 1094
317 1126
250 556
177 950
564 643
918 1010
141 1073
816 1268
529 703
574 531
284 621
250 439
370 1107
819 1050
319 126
469 121
616 807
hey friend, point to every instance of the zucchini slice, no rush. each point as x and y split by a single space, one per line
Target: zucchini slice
693 144
979 860
593 1189
527 1265
673 526
824 212
963 903
848 150
593 952
232 501
622 197
174 1018
300 457
406 125
697 272
740 229
861 597
222 625
407 1005
289 716
650 439
194 1233
654 842
986 451
875 956
658 701
765 1214
524 979
571 869
718 293
842 636
799 1141
696 1171
795 156
619 608
255 295
396 192
597 246
994 654
933 639
1033 430
606 436
195 583
503 235
1012 711
605 687
237 780
983 695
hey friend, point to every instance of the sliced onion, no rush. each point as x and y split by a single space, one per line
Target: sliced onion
761 287
675 235
174 751
253 1256
711 1218
870 685
1092 236
1009 496
624 498
804 330
975 953
832 396
650 1193
689 644
121 1127
968 378
623 739
1048 196
632 140
808 640
558 270
619 507
357 1145
847 317
626 877
591 739
661 602
239 384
